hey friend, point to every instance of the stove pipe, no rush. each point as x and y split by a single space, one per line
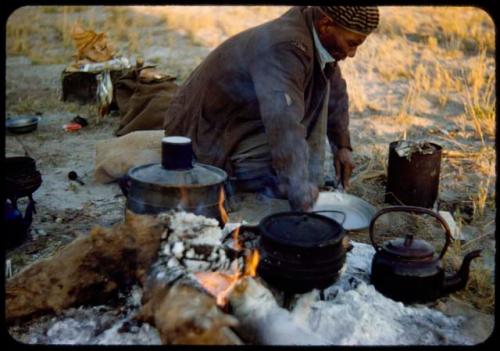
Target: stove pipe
177 153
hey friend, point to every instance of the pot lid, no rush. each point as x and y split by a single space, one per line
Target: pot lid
199 175
302 229
409 248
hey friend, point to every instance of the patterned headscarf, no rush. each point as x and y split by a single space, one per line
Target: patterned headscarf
358 19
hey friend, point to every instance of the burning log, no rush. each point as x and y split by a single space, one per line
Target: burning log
162 253
175 301
184 314
89 269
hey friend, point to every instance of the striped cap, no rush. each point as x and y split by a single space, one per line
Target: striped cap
358 19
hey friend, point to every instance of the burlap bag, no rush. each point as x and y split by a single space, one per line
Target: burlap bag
116 156
142 96
142 100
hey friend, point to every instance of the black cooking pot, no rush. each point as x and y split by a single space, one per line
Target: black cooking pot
299 251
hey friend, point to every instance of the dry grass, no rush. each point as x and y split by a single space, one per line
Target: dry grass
479 99
210 25
480 289
453 28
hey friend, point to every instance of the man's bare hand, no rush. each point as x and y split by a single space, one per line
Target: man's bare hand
302 196
344 165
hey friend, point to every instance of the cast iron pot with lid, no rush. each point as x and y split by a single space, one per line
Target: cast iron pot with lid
299 251
177 183
408 270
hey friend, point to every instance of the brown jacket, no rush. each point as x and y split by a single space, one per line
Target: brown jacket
266 78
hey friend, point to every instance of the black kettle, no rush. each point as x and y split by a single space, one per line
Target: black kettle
408 270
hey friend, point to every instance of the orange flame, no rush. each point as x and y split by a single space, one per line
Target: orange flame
236 243
223 213
184 197
251 264
220 284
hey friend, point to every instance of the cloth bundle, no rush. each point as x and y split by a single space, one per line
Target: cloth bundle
91 46
116 156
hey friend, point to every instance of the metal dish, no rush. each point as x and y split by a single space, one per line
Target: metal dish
22 124
358 212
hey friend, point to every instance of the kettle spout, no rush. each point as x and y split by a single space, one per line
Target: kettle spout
459 280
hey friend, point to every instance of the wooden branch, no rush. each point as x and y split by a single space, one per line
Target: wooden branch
185 314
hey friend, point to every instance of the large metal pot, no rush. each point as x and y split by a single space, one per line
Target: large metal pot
177 183
299 251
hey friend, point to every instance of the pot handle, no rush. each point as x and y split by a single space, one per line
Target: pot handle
342 213
412 209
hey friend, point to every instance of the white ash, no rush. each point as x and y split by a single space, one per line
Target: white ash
193 228
197 266
190 253
173 262
134 298
71 331
138 335
91 325
264 322
178 249
354 313
193 242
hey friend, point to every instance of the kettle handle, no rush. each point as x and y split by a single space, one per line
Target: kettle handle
411 209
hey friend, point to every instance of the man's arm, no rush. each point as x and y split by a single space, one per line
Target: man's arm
279 79
338 112
338 127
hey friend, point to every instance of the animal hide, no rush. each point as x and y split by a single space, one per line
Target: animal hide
90 268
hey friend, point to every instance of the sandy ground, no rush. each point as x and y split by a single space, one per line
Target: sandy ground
66 209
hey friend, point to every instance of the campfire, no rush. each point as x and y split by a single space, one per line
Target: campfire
223 214
200 285
221 284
